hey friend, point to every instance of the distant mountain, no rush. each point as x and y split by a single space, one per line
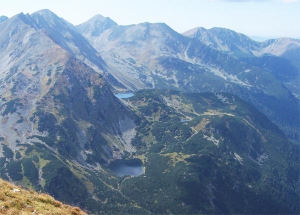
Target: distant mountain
289 49
225 40
3 18
264 54
155 56
96 26
133 45
283 47
240 45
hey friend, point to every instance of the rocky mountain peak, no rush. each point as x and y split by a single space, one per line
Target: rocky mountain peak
47 14
225 40
96 25
65 35
49 21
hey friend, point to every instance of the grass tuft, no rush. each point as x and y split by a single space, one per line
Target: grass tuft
17 201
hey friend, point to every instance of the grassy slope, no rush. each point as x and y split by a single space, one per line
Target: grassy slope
15 200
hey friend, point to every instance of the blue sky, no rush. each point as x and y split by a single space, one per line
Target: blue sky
265 18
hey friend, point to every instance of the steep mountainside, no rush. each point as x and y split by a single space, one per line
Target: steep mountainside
66 36
211 153
154 56
59 120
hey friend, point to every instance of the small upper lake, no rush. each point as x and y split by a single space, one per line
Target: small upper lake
124 95
122 167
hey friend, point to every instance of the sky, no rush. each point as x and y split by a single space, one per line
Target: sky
263 18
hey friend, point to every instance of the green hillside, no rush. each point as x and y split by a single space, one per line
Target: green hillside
211 153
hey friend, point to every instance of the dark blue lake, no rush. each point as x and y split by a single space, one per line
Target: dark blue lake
122 167
124 95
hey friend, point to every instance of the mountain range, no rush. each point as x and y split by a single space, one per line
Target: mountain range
214 119
274 55
155 56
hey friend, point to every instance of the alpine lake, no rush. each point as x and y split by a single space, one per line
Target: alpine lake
124 95
130 167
